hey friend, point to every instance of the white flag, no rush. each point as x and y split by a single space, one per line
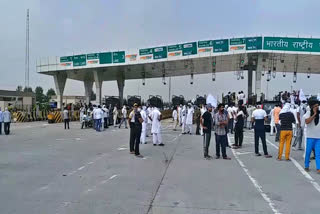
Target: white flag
212 100
302 97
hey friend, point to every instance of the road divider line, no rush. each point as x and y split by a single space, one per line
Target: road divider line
113 176
81 168
301 169
255 183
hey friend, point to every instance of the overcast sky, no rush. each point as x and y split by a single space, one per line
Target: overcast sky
63 27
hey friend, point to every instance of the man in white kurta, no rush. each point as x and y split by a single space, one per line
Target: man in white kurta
183 119
180 115
144 125
156 117
149 111
115 116
175 118
189 119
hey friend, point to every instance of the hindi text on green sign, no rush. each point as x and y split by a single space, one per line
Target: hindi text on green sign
160 52
189 49
92 56
205 44
146 51
79 60
118 57
291 44
172 48
221 45
66 59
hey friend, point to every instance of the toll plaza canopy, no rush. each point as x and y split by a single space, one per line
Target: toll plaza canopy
262 54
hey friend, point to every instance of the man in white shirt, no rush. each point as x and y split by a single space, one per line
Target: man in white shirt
259 116
202 111
180 115
156 117
231 116
1 121
66 118
189 119
175 118
98 115
115 115
183 119
124 117
105 116
149 110
144 125
6 120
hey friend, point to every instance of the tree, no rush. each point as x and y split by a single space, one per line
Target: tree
19 88
27 89
39 94
51 93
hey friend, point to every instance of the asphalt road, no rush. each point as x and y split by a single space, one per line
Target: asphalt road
46 169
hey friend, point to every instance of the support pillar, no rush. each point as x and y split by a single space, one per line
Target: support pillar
121 81
250 74
60 81
258 83
98 82
88 90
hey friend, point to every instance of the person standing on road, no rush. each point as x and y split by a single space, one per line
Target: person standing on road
202 111
137 129
105 117
313 134
206 124
6 120
144 125
286 119
258 117
98 115
230 110
221 121
115 116
124 117
183 119
276 113
180 114
301 110
272 124
66 118
238 129
149 124
156 118
131 124
1 121
189 119
175 118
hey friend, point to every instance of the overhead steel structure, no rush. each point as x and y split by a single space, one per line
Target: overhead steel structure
262 55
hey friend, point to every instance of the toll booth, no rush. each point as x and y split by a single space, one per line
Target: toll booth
133 99
177 100
156 101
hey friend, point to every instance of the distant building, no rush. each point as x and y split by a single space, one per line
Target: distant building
17 99
69 99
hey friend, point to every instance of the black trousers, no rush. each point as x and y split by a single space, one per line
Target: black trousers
221 141
136 138
206 143
105 124
198 126
66 122
238 135
0 127
131 140
260 134
230 125
7 128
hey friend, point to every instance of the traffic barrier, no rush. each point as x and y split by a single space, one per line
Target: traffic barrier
57 117
19 117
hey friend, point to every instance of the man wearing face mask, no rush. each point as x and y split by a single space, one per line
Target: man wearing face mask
313 134
135 134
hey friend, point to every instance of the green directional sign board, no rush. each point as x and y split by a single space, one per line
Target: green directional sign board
105 58
189 48
160 52
146 51
172 48
253 43
221 45
66 59
118 57
79 60
92 56
237 41
205 44
291 44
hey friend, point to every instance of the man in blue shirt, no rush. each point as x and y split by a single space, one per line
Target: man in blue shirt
1 121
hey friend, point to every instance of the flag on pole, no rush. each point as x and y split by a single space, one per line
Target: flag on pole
302 97
212 100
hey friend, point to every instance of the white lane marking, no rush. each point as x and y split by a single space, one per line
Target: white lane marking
112 177
120 149
71 173
104 181
255 183
244 153
77 138
44 188
81 168
60 139
90 163
301 169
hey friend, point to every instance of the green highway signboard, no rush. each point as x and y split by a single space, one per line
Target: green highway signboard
66 59
105 58
160 52
172 48
79 60
253 43
146 51
221 45
118 57
238 41
189 49
291 44
205 44
92 56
